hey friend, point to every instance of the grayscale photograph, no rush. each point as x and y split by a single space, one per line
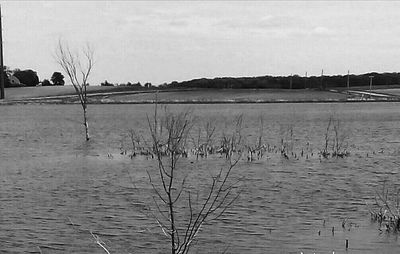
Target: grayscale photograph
200 127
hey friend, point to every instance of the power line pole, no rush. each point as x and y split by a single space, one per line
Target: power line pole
291 81
1 60
305 81
370 85
322 80
348 82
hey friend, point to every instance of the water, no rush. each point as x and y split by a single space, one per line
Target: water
56 188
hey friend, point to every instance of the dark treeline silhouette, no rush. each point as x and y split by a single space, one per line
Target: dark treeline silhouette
288 82
129 84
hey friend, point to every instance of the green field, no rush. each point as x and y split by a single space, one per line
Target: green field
129 95
391 91
16 93
99 94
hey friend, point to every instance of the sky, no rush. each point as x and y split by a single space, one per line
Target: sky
164 41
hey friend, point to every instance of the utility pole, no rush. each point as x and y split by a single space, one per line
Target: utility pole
370 85
348 82
322 79
305 82
1 61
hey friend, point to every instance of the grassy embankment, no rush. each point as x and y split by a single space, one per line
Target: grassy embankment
99 94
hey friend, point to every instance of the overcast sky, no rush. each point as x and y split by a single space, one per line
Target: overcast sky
163 41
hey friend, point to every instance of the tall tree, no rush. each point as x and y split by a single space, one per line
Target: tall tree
57 79
78 66
27 77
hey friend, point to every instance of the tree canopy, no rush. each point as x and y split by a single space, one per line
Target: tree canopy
27 77
57 79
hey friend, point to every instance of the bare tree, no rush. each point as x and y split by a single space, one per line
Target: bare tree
180 207
339 145
210 130
325 152
78 68
335 134
388 204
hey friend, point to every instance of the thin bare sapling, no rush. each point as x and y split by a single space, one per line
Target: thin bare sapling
197 145
325 153
287 141
232 142
182 205
335 139
78 66
339 146
203 140
209 138
137 144
256 151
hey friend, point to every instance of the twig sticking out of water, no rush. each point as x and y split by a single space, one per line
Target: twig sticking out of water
70 221
205 140
96 237
99 242
344 222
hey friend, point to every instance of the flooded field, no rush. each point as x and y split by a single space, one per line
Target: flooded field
56 188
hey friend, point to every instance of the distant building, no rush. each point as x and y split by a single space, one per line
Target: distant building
14 81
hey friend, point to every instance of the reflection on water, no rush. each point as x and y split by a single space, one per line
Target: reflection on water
55 188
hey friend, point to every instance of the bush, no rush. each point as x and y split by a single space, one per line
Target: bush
105 83
46 82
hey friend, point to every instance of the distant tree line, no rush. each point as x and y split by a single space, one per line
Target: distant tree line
57 79
289 82
19 78
137 85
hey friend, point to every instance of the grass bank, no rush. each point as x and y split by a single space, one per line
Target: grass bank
129 95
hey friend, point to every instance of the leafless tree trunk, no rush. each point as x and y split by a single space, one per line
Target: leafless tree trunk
78 69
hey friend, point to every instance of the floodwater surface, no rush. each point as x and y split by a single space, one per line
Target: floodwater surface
56 188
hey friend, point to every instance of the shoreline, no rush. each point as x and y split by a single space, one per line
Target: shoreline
100 102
